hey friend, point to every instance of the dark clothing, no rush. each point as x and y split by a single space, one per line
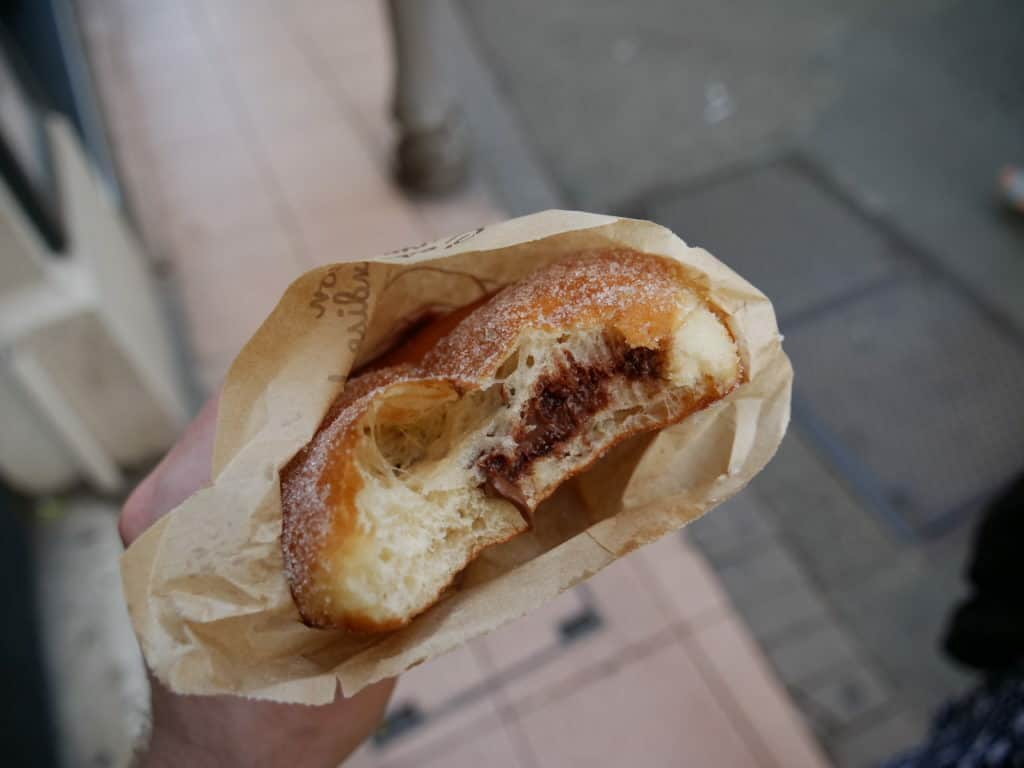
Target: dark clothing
985 728
987 630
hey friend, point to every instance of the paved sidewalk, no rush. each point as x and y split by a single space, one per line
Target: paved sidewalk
255 141
843 156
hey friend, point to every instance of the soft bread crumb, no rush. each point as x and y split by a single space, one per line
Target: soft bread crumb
702 346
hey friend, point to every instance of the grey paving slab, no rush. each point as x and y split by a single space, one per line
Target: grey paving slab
736 527
885 737
950 553
502 153
622 97
776 617
762 575
818 519
783 232
844 695
899 615
920 390
926 111
894 317
891 598
811 653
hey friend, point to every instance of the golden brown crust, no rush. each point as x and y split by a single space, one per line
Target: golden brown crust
416 342
633 295
630 292
318 494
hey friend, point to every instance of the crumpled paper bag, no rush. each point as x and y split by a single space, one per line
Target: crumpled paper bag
205 585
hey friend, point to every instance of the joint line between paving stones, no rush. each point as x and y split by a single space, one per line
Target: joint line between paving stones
441 747
722 693
628 654
860 478
243 117
879 715
802 694
815 312
157 260
507 712
886 226
638 205
945 521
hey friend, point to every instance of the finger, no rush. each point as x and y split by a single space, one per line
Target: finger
184 470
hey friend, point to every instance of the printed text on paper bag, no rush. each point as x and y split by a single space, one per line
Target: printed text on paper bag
349 303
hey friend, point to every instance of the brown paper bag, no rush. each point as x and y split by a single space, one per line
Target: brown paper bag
205 586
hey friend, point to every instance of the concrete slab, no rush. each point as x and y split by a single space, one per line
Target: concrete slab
816 651
845 695
818 519
888 735
785 613
900 615
623 97
920 390
926 111
737 527
785 234
897 279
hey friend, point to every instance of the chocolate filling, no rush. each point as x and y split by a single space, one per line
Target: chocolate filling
564 400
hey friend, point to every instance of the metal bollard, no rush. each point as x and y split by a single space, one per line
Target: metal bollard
432 155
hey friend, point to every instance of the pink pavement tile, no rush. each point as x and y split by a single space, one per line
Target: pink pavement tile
339 165
169 115
145 46
335 188
364 757
361 66
229 286
204 183
281 62
262 69
364 69
379 132
325 154
279 88
214 188
748 688
283 109
357 30
171 72
349 230
156 29
350 47
681 579
344 207
252 26
286 67
474 207
654 711
492 748
429 687
629 618
514 643
129 143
